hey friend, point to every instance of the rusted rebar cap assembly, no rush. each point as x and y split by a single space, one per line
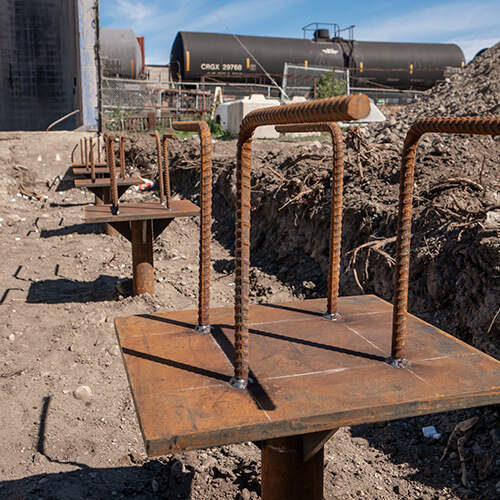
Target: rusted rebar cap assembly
343 108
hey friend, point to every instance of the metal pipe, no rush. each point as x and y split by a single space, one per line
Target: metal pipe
156 135
336 222
63 118
285 473
110 160
206 218
342 108
468 125
142 257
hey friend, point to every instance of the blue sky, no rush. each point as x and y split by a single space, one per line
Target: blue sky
472 25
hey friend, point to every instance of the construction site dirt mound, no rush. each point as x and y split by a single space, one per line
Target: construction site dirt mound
69 429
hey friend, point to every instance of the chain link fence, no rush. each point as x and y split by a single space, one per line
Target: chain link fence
300 80
143 105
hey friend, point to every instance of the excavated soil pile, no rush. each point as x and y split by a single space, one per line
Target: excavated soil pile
68 426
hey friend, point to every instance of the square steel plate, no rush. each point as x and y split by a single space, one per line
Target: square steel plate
140 211
308 373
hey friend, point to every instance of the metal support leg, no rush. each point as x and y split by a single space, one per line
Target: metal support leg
142 257
106 199
285 473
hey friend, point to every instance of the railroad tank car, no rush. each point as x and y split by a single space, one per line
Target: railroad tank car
396 65
121 53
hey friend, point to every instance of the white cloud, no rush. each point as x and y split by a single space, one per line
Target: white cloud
436 23
159 21
472 47
237 15
135 12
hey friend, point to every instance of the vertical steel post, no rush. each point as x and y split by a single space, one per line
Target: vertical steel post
142 257
285 473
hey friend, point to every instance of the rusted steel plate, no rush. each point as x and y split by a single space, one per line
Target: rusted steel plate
308 374
140 211
86 171
82 165
129 181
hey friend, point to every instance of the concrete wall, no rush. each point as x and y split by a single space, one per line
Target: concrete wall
40 77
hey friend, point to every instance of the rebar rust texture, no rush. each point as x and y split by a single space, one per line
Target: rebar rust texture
110 160
465 125
336 221
92 163
81 152
122 156
206 216
86 154
344 108
166 171
156 135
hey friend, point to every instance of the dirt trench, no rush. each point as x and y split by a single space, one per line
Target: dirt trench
455 263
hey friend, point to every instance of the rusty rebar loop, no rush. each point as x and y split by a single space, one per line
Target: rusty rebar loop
156 135
344 108
122 156
166 170
336 221
110 161
465 125
92 163
99 149
203 130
